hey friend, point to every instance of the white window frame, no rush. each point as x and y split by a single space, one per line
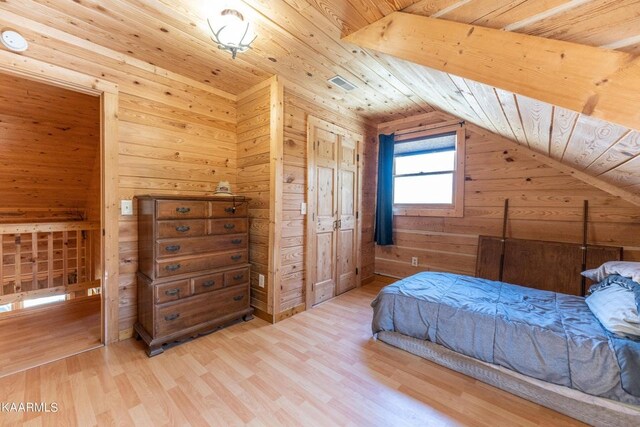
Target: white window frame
454 209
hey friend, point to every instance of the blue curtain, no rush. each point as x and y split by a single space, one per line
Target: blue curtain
384 206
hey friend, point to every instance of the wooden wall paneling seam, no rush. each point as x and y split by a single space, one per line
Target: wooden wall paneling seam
427 120
276 192
616 155
509 105
463 86
524 21
599 23
492 109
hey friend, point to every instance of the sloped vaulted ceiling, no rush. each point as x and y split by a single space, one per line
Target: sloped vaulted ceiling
301 41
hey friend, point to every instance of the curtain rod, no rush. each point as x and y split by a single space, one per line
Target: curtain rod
427 127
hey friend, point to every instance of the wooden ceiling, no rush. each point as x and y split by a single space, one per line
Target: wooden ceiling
301 41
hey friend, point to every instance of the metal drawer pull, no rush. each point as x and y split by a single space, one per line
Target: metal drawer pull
172 248
236 257
238 297
236 241
229 226
230 210
172 292
183 210
183 228
208 283
171 317
173 267
238 277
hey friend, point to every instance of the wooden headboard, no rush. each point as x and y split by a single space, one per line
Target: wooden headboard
552 266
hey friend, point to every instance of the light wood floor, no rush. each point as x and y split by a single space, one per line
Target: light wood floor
320 368
41 335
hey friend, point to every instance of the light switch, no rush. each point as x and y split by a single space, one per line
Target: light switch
126 207
303 208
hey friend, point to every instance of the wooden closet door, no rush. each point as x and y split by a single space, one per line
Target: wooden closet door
326 206
347 209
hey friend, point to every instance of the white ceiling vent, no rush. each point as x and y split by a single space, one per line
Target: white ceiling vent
342 82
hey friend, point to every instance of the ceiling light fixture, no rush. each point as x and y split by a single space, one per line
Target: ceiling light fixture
231 32
14 41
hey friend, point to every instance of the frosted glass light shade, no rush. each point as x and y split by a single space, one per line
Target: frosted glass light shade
231 31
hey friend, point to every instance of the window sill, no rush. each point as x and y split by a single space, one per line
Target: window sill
450 211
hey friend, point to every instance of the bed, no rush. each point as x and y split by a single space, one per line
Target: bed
545 346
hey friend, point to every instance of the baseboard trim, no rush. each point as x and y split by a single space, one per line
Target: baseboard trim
290 312
263 315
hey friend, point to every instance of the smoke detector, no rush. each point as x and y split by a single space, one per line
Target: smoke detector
342 82
14 41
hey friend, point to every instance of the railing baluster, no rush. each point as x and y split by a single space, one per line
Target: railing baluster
50 260
17 283
65 258
34 260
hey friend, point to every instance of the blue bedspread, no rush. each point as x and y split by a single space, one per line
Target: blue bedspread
545 335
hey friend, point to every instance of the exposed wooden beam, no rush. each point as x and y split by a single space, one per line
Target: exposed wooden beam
590 80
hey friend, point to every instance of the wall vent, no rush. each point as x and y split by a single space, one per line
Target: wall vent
342 82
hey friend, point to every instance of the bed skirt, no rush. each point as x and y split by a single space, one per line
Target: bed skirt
573 403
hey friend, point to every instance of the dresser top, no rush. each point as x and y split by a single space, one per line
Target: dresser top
203 198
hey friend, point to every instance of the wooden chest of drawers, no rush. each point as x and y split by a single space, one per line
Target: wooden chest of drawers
193 270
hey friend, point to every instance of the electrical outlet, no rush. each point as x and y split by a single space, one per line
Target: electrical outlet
126 207
261 280
303 208
414 261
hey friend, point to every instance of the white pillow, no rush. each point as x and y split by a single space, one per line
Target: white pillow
623 268
616 309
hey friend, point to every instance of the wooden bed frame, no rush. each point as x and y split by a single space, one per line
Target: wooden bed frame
552 266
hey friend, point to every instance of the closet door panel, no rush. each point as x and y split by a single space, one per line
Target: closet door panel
347 202
326 201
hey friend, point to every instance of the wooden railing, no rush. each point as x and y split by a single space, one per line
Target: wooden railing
46 259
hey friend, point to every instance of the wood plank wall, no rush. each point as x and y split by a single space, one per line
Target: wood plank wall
253 180
292 261
49 145
545 204
177 136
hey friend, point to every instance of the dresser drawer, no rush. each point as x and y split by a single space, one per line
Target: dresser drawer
170 209
174 317
226 210
185 228
171 291
176 266
236 277
210 282
195 245
227 226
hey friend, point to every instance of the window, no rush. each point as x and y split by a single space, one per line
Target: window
45 300
428 170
